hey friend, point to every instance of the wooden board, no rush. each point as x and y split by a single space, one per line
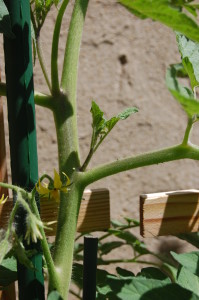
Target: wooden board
169 213
94 212
9 293
3 167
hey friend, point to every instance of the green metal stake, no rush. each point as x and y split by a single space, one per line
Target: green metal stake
21 118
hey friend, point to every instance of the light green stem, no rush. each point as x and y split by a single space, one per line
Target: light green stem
65 116
187 132
40 99
54 51
53 278
64 244
145 159
41 61
133 260
44 100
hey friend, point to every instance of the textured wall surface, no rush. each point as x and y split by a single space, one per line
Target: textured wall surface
123 61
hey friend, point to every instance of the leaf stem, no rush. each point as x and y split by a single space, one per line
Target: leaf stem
53 278
75 294
87 160
54 51
41 61
40 98
187 132
44 100
132 260
12 187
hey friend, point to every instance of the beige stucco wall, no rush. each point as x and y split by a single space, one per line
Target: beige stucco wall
148 47
111 32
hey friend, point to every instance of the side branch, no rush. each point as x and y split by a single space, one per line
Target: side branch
42 62
39 98
54 51
43 100
146 159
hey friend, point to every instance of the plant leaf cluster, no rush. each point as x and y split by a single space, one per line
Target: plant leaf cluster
189 51
182 94
8 272
151 283
40 10
175 279
102 127
5 23
167 12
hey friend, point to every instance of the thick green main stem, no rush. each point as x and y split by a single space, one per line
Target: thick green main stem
63 256
65 115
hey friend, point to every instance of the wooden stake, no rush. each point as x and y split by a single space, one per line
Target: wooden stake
94 212
169 213
9 293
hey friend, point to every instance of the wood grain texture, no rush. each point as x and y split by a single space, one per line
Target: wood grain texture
169 213
9 293
3 167
94 212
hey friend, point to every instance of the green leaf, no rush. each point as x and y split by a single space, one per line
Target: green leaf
131 240
192 238
164 12
180 70
188 280
54 295
5 24
21 254
109 246
8 271
182 94
130 220
188 260
98 119
127 112
111 123
124 235
189 51
191 9
170 270
102 127
40 10
153 273
5 247
138 288
123 273
140 247
77 275
122 116
116 223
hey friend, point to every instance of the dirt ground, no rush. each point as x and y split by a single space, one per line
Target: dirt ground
123 61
